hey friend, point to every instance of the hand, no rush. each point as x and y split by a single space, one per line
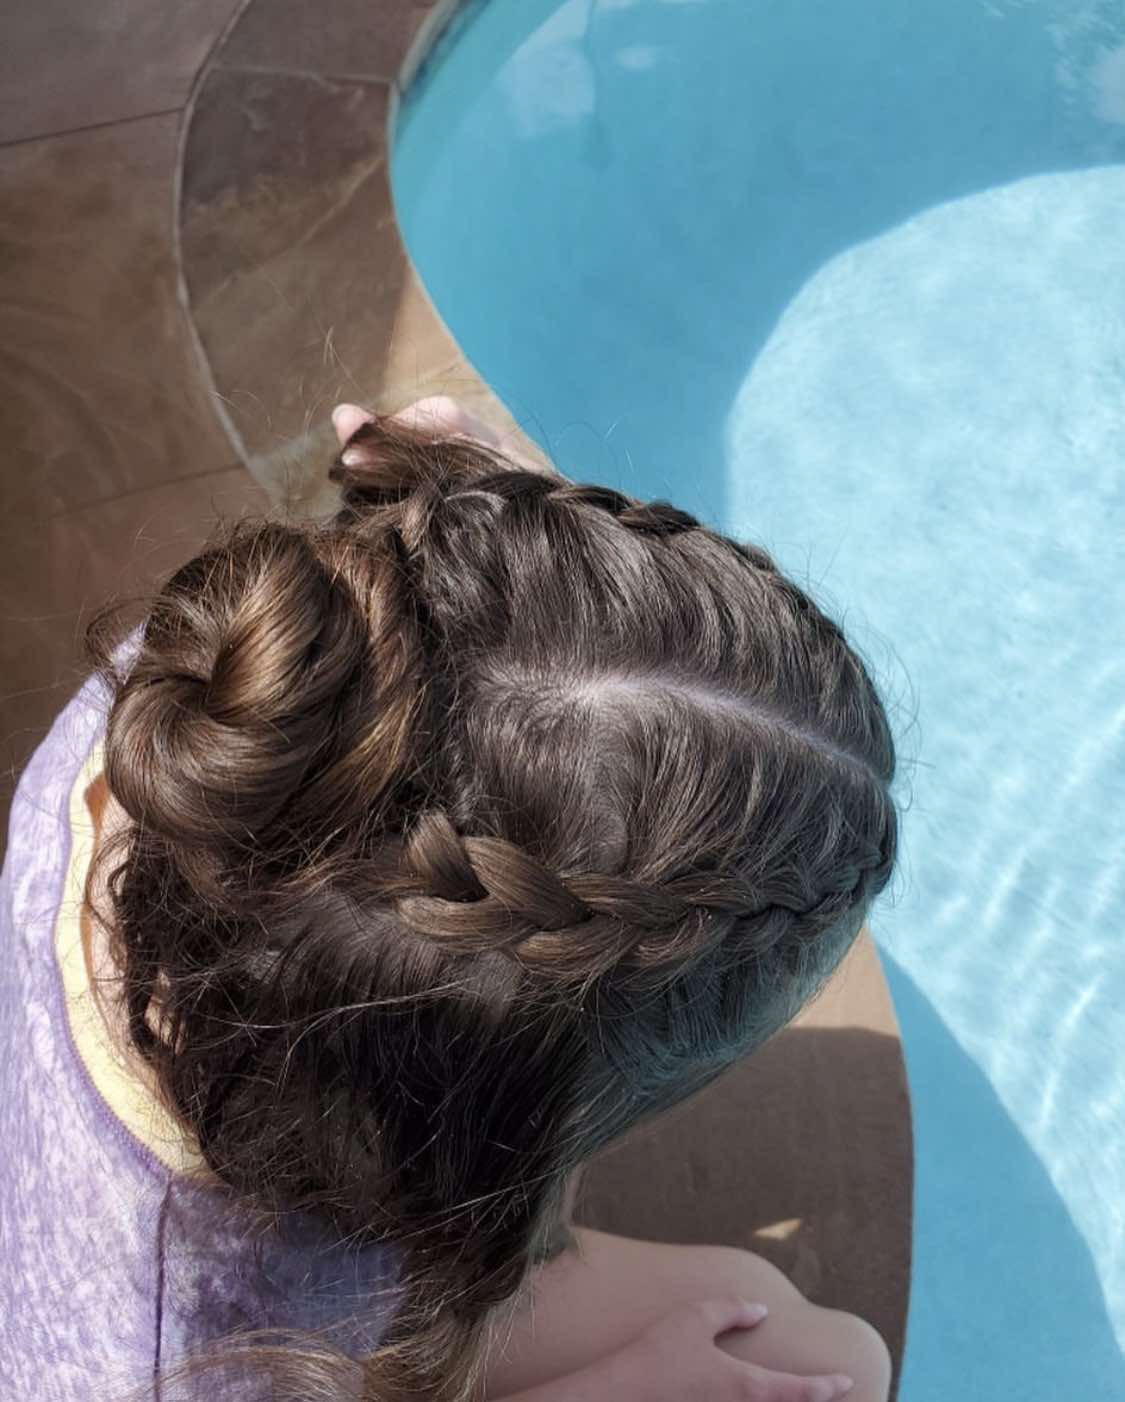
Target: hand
437 414
677 1360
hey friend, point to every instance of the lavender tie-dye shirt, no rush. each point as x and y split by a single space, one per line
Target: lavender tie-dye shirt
111 1262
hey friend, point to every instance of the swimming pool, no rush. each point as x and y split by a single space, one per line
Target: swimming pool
849 280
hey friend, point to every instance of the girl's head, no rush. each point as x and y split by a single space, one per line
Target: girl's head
467 830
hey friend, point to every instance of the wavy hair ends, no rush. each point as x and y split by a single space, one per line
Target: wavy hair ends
466 830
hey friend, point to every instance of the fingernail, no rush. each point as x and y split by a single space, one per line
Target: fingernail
755 1312
365 415
844 1384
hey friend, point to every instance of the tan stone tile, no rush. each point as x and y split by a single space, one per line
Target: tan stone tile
423 358
100 391
419 342
124 545
346 38
53 574
38 652
291 253
300 287
65 64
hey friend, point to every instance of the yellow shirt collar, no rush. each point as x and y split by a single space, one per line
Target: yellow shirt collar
133 1104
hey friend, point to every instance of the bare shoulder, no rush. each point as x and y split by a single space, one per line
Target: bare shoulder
588 1302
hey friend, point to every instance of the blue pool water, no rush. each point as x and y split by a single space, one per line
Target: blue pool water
849 280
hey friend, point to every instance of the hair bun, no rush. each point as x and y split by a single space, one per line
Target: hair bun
251 675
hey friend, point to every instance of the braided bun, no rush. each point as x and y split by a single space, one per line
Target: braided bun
253 707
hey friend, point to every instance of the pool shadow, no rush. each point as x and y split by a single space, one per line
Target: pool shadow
1006 1301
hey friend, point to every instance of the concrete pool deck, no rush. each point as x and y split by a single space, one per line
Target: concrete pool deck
207 228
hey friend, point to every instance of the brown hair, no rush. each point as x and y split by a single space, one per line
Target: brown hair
468 829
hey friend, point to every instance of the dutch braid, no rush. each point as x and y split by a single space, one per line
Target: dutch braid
476 895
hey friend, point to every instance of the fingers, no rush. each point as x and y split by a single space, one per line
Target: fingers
442 415
755 1384
738 1381
438 414
762 1385
728 1312
346 418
